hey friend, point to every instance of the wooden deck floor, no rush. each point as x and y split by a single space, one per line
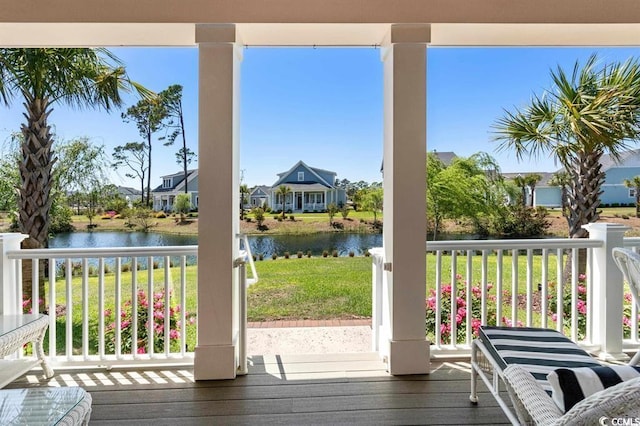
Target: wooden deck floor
280 390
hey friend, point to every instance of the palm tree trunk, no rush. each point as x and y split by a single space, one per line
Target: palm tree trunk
584 200
36 181
584 197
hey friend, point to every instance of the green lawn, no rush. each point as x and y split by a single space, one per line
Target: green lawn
311 288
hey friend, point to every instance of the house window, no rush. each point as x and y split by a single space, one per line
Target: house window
632 193
166 183
300 176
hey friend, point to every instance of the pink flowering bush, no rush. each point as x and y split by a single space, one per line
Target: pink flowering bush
566 304
581 306
463 307
158 324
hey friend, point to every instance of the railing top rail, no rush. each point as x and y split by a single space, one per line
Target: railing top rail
89 253
544 243
631 241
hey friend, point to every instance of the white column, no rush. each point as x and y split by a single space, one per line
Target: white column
9 297
607 283
219 178
405 121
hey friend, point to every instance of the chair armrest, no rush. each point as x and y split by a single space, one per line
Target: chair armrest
621 400
531 402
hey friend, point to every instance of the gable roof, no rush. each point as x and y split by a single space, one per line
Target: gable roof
629 158
314 171
177 183
446 157
546 177
260 188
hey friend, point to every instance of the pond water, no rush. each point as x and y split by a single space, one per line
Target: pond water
260 244
266 245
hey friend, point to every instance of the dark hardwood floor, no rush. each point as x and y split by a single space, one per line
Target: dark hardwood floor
281 390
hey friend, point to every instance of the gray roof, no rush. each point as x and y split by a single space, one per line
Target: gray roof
608 161
546 176
304 187
446 157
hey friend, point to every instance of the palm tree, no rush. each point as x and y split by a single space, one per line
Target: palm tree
521 183
563 180
588 113
635 184
283 190
78 77
244 189
531 181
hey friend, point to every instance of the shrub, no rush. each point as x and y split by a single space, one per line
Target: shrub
160 215
465 306
308 253
126 267
274 256
142 339
351 254
581 304
286 254
334 253
299 254
279 219
261 256
367 253
292 218
325 253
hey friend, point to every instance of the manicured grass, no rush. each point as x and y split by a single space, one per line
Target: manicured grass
311 288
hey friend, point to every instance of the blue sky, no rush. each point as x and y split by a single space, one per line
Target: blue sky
324 106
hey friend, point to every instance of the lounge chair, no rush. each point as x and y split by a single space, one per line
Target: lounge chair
541 371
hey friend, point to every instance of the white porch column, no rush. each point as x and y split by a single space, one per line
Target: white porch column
218 127
607 283
9 296
405 127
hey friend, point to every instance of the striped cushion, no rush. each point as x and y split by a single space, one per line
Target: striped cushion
570 386
538 350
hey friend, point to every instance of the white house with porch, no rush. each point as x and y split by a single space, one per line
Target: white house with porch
402 30
311 190
164 195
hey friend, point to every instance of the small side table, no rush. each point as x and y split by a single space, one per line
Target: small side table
15 331
45 406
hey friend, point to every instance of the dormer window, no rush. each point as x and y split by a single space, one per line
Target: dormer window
166 183
300 176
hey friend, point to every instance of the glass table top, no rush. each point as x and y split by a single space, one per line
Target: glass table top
9 323
38 406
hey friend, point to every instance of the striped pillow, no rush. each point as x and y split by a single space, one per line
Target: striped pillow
571 385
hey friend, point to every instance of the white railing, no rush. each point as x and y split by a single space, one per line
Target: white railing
100 300
514 283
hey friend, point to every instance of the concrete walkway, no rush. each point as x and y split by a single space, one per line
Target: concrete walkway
309 337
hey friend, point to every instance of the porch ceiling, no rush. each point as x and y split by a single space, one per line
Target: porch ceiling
54 34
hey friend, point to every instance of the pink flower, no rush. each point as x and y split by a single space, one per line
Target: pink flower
582 307
446 289
458 319
142 350
462 312
626 321
582 277
461 302
445 328
107 312
124 324
554 317
476 291
458 277
173 334
192 320
628 297
431 303
158 305
582 289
